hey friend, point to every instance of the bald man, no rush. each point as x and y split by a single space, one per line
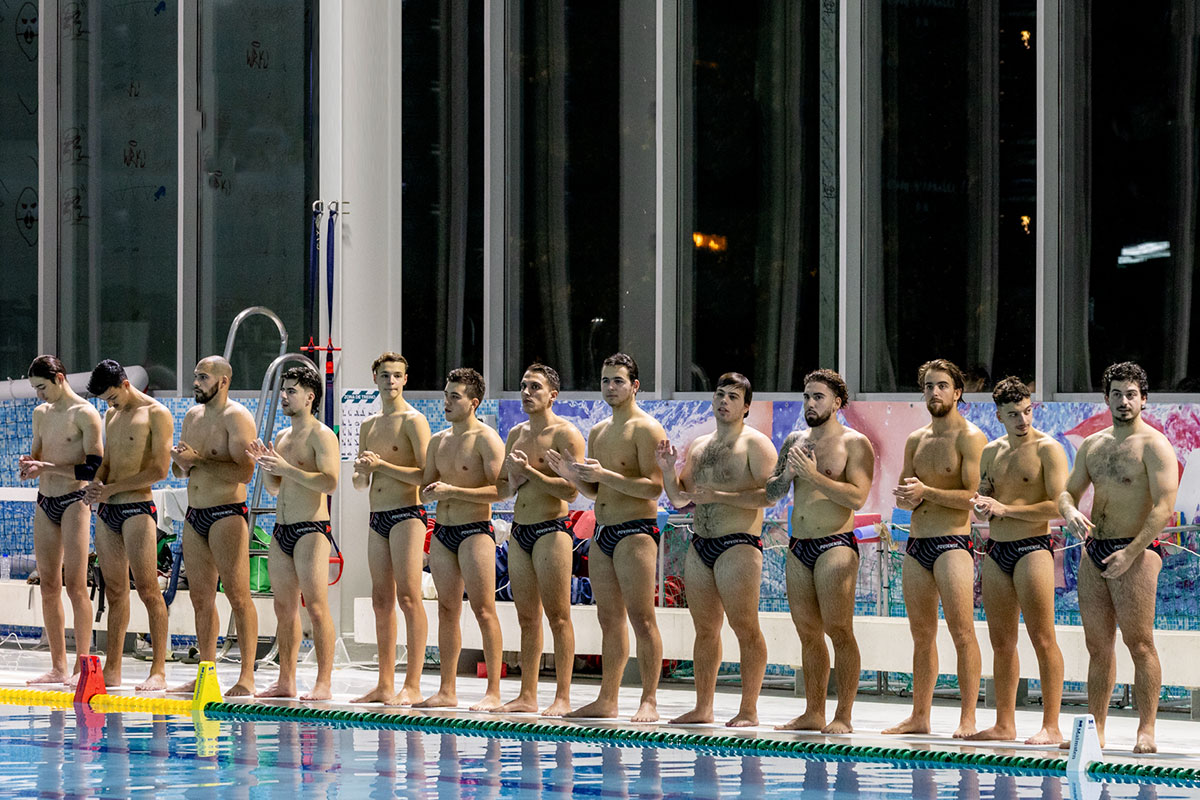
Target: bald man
212 455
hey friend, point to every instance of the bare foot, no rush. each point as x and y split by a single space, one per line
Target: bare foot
1046 736
966 730
594 710
559 708
183 688
277 689
405 697
380 694
808 721
744 719
490 702
73 680
440 700
53 676
838 726
647 712
112 675
155 683
694 717
322 691
996 733
909 725
1145 743
240 689
518 706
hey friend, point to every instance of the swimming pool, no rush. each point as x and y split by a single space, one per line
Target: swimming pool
59 753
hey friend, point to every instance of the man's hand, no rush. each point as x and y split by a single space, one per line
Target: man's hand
367 462
30 468
1119 562
518 468
1079 525
590 471
95 492
701 495
988 507
666 455
184 455
909 493
802 463
267 459
435 491
562 466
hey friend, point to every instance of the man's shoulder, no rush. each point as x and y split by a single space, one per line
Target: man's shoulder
644 423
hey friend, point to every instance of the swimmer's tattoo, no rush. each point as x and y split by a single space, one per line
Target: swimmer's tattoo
777 484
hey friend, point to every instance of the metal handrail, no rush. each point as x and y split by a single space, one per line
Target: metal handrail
250 312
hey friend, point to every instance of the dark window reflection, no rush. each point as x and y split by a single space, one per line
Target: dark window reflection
1129 187
949 270
580 255
758 250
442 322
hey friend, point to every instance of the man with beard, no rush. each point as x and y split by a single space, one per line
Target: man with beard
302 469
212 455
940 461
831 468
461 468
1133 470
539 550
139 431
65 453
622 476
391 463
1023 474
724 475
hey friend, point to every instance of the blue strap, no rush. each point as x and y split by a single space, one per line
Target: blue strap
314 260
329 265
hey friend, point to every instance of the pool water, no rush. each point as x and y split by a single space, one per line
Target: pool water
57 753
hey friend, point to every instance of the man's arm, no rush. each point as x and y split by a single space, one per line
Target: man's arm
586 488
647 485
491 451
326 453
430 475
907 472
239 468
504 487
860 472
1162 473
87 422
675 484
570 443
1077 483
780 479
970 448
417 431
363 467
1054 477
156 467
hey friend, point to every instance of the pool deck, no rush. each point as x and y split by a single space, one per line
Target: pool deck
1178 736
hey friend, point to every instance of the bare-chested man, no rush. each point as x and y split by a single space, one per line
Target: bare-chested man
216 540
139 432
65 453
831 468
724 474
391 462
622 476
941 460
1136 476
461 468
302 469
539 550
1023 474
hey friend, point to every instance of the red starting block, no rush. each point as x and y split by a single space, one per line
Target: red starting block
91 679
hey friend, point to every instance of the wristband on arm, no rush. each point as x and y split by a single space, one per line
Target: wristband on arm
87 470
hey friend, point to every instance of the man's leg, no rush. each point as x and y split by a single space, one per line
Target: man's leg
552 567
311 563
1134 596
1002 611
48 550
955 575
114 565
1100 634
635 562
921 601
229 539
407 544
285 588
806 616
383 603
523 582
835 576
140 546
1034 582
708 616
75 549
738 575
477 560
614 635
202 589
443 565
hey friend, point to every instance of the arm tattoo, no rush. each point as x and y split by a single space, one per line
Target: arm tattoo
777 484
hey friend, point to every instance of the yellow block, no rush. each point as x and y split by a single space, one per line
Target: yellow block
207 689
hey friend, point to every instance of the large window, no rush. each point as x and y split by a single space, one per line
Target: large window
1129 185
20 212
949 267
257 175
117 198
580 201
757 278
442 219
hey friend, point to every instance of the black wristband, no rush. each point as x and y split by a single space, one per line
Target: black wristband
87 470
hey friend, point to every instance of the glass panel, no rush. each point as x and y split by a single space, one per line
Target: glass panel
1130 159
257 176
580 248
758 237
20 210
442 223
117 161
949 268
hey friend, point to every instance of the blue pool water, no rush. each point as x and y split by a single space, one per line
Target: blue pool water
55 753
